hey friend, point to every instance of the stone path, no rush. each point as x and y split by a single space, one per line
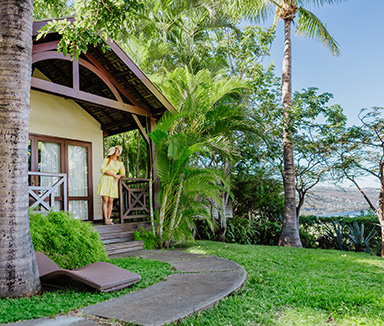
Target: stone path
201 282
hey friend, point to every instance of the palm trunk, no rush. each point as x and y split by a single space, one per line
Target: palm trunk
174 213
18 268
162 215
290 234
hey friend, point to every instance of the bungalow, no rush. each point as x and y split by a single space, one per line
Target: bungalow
74 105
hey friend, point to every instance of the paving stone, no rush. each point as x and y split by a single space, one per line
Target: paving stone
166 256
58 321
177 297
206 264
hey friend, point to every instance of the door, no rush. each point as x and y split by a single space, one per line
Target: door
59 155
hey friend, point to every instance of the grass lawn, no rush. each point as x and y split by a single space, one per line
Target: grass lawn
62 301
285 286
291 286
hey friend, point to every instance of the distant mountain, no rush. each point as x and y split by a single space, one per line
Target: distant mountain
333 200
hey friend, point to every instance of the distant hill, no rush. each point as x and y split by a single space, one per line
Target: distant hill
333 200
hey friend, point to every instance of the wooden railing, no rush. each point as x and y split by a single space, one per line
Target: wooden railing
134 199
44 196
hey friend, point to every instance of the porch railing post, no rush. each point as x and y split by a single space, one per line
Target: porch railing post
121 202
65 194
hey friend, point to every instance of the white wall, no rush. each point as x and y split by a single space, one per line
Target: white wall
55 116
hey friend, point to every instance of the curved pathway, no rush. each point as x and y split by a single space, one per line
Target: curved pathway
201 282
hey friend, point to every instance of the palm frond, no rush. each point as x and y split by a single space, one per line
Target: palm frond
319 3
310 26
254 10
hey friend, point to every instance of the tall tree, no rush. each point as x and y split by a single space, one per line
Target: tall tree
307 25
361 154
317 126
18 268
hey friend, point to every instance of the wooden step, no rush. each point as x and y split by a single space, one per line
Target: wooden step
115 250
118 238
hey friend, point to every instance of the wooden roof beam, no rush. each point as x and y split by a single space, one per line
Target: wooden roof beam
144 79
141 128
65 91
112 79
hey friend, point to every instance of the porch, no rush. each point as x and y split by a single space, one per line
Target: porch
133 209
50 191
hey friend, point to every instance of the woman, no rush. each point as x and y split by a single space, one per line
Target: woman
112 169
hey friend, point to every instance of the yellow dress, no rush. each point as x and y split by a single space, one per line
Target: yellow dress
107 185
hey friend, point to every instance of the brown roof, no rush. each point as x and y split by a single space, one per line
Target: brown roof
112 77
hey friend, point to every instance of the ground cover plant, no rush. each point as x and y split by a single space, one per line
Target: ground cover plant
63 301
297 286
69 242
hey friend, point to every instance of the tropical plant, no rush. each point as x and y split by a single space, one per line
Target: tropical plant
172 33
185 190
189 143
316 126
336 234
307 25
151 241
356 236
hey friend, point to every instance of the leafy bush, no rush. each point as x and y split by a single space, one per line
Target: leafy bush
342 232
151 241
268 232
258 196
69 242
242 230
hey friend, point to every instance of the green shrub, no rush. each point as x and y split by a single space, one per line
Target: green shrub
258 195
69 242
268 232
240 230
151 241
337 232
308 239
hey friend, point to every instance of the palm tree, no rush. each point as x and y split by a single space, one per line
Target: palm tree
202 128
18 268
185 189
310 26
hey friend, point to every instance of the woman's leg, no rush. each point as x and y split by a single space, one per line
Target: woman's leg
110 207
105 209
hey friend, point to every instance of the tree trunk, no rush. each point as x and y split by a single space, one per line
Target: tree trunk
290 234
380 212
18 268
300 201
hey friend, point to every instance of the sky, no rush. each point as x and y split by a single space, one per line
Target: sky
356 77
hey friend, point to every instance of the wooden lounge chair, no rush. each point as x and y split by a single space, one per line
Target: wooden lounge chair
100 276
